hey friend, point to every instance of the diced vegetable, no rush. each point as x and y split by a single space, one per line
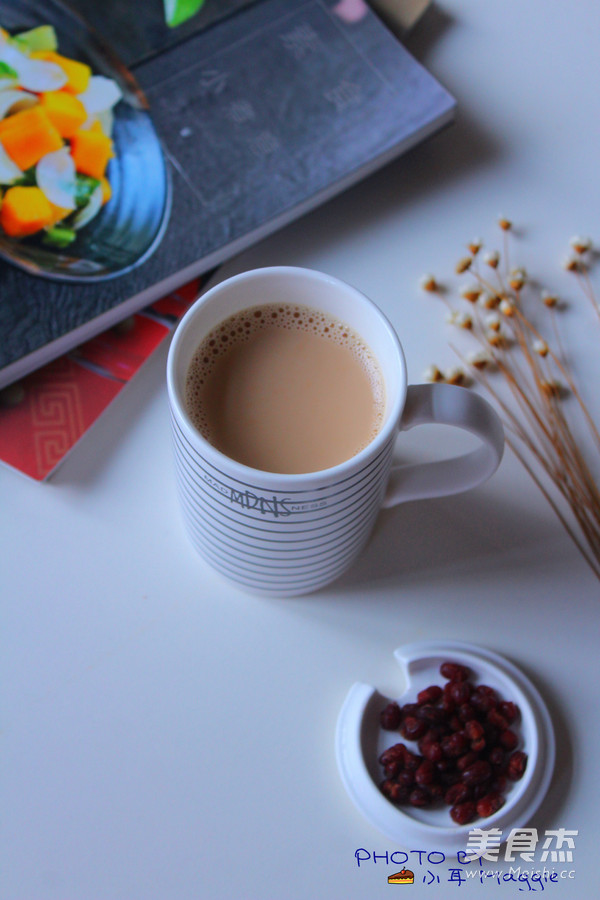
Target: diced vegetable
55 138
24 211
91 151
58 214
55 175
7 71
85 187
27 178
65 111
179 11
101 94
9 171
34 73
106 189
78 73
59 236
41 38
89 211
14 101
28 135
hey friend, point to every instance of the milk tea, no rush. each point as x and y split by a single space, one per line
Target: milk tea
286 389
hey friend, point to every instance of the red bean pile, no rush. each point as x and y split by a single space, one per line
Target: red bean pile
467 747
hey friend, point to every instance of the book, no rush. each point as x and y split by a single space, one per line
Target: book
45 414
261 115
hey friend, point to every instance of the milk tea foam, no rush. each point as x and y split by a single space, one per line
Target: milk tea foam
286 389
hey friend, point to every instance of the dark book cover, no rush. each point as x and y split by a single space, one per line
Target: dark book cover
234 124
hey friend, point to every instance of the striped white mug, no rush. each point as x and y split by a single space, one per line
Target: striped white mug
284 535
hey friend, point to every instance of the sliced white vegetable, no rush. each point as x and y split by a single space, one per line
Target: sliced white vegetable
107 118
90 210
55 175
9 170
33 74
101 94
15 100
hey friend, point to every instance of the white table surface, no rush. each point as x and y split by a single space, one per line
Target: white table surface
166 737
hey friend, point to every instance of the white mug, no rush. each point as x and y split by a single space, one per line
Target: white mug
284 535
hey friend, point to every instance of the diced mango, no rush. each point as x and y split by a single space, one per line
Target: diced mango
24 211
28 135
106 190
91 151
78 73
58 213
65 111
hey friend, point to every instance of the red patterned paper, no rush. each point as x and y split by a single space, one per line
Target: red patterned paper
43 416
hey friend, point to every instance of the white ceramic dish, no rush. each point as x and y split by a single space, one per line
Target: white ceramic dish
360 740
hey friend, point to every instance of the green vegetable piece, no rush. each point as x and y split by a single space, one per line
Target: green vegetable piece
7 71
38 39
58 236
27 179
85 187
179 11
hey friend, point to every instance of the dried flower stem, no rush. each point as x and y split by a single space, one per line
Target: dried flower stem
533 411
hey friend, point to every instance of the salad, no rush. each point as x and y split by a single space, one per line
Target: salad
55 139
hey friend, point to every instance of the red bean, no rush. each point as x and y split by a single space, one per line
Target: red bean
396 752
463 813
457 793
489 804
460 692
474 729
429 695
391 717
467 747
516 765
395 792
496 718
508 739
477 772
412 729
510 711
455 744
419 797
426 772
454 671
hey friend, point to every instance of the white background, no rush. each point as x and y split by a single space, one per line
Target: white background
166 737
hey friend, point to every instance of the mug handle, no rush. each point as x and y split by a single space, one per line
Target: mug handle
447 404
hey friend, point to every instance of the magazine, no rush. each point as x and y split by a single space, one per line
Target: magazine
230 126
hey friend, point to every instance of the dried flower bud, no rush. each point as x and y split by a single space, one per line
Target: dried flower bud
475 246
571 264
493 322
428 283
496 339
507 308
540 347
456 376
551 388
549 299
463 264
460 319
504 223
580 244
489 301
433 374
480 360
492 259
471 293
517 279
